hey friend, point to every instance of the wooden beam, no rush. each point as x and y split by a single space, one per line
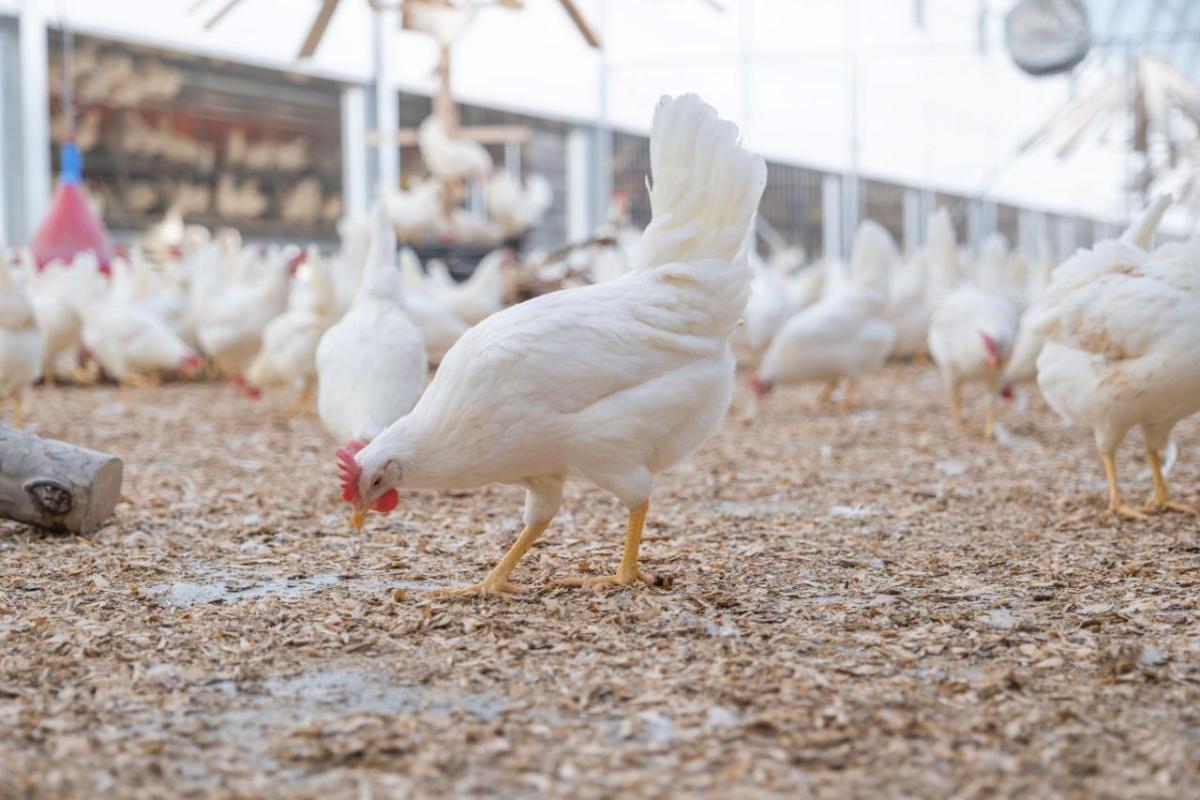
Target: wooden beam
317 30
225 9
483 134
589 35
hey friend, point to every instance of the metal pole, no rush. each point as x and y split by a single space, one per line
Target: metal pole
34 117
356 191
602 175
387 101
851 203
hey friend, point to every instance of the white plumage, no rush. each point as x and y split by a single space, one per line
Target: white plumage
614 382
20 341
1122 331
372 363
234 310
517 208
447 158
289 342
971 334
843 335
130 341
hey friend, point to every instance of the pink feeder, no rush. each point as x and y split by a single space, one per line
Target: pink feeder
70 227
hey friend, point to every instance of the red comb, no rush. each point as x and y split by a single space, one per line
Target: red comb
990 344
295 261
189 365
350 471
760 387
245 387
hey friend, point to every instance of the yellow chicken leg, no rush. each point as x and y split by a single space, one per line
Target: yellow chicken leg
628 572
17 419
848 396
989 423
956 405
1115 506
496 582
303 403
826 394
1161 501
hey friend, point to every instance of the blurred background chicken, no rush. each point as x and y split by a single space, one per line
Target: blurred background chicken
20 341
448 158
372 363
132 343
288 357
234 305
844 335
971 335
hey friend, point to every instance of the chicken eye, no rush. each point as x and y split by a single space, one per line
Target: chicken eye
378 480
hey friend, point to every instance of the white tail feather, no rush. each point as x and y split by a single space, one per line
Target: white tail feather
1142 230
705 189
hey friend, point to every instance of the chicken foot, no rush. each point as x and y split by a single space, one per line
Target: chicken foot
135 380
628 572
1161 500
826 395
496 582
303 404
989 423
1115 506
956 405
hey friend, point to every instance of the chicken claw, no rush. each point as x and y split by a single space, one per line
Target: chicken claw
1123 511
1161 499
1155 504
628 572
609 580
485 588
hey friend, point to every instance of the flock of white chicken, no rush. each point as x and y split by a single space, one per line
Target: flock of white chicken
266 318
1112 336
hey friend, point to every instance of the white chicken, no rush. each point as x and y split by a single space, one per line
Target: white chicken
971 334
372 363
766 309
415 212
517 208
130 342
1022 367
1122 330
480 295
288 357
450 159
844 335
20 342
57 293
439 325
614 382
232 316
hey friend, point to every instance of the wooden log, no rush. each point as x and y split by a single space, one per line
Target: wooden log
56 485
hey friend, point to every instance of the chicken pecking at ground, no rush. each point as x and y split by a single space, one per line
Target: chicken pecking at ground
614 382
372 363
1122 332
971 333
844 335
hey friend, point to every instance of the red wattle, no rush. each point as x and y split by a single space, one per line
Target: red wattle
386 502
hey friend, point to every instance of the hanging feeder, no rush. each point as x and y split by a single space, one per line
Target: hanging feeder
70 226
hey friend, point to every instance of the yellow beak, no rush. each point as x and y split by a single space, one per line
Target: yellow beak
357 518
